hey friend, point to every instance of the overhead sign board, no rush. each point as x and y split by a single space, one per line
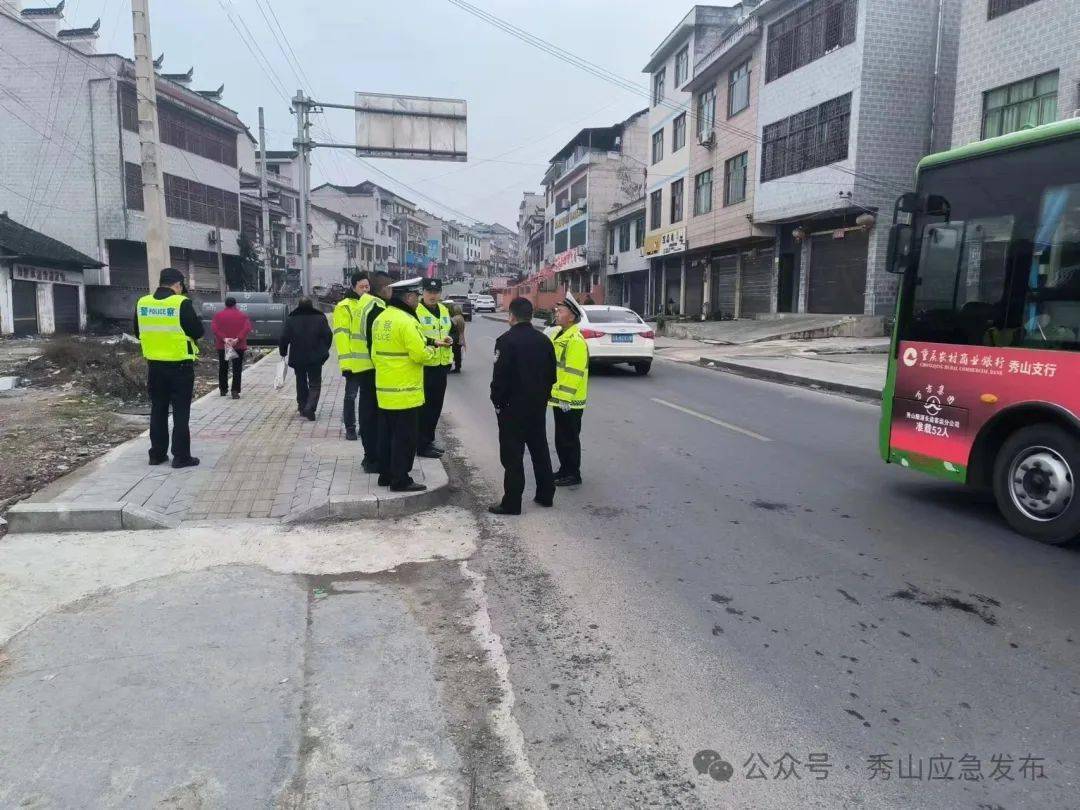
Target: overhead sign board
410 127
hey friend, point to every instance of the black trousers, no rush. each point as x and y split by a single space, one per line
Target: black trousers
568 441
398 435
457 355
308 387
223 371
171 386
434 394
362 406
516 432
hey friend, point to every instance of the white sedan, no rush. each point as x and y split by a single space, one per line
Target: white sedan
616 335
484 303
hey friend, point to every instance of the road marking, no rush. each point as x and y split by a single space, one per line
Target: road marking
711 419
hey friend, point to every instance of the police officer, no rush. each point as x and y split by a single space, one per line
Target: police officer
399 351
520 384
434 319
570 391
168 330
352 319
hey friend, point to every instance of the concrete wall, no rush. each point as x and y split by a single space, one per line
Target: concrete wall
1035 39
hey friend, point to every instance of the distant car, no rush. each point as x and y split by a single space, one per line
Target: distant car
465 304
484 303
616 335
473 296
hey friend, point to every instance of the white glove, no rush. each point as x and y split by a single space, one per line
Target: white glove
564 407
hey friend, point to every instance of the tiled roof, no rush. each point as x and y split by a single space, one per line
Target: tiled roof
22 241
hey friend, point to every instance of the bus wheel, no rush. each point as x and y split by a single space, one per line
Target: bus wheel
1035 483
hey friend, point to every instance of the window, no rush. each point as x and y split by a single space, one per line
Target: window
735 179
181 129
677 201
579 233
706 112
995 8
614 316
656 204
806 140
624 237
1022 104
578 190
185 199
562 201
658 86
678 133
611 240
658 146
808 33
560 241
290 242
738 98
639 232
682 66
703 193
133 196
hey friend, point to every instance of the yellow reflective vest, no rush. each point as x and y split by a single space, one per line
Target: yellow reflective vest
350 332
571 368
399 351
160 333
436 325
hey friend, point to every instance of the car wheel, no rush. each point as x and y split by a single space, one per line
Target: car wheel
643 368
1035 483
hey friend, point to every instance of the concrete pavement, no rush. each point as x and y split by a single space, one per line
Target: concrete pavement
260 459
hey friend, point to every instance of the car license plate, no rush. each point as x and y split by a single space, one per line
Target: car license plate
622 338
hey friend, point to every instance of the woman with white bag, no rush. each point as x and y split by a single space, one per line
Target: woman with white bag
306 340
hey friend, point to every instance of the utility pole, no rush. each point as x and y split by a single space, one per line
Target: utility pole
302 106
157 228
264 206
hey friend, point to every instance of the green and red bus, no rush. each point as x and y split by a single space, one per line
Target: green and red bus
983 385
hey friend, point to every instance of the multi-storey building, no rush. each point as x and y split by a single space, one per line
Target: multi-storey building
379 211
70 166
283 203
627 270
729 266
335 247
851 94
596 171
672 126
1018 66
530 222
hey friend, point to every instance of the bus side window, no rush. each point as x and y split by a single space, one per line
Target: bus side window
1052 307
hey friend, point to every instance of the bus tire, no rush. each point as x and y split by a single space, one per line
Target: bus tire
1036 483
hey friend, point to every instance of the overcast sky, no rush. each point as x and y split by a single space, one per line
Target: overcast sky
523 104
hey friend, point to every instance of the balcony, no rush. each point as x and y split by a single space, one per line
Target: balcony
747 31
579 157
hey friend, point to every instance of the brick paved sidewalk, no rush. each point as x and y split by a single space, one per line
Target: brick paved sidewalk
259 459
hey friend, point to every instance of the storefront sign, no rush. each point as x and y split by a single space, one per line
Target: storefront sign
25 272
578 209
567 260
661 244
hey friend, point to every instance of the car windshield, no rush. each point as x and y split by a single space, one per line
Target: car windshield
612 316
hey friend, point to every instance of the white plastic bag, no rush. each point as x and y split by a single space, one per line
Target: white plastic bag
279 377
230 353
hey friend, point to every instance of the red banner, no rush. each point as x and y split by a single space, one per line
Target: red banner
945 394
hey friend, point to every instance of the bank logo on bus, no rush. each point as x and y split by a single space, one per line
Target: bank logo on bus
911 356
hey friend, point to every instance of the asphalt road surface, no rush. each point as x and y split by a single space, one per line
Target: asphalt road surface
741 578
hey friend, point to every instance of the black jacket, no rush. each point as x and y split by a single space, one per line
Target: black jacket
524 370
189 319
306 338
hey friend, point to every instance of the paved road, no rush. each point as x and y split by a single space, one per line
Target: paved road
740 573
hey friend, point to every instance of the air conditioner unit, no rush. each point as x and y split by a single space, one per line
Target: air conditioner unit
613 260
707 139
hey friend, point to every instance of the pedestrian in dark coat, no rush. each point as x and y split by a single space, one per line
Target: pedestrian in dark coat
520 384
306 340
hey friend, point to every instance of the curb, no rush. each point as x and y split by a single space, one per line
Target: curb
770 375
388 504
28 517
492 317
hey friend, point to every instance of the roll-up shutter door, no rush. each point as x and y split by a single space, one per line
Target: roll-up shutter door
723 285
837 283
757 276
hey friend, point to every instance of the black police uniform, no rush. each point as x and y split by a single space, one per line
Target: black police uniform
172 385
520 384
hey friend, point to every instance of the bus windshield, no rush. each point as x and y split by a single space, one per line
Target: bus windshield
1004 268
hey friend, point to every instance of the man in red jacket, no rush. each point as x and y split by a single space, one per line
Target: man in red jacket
230 328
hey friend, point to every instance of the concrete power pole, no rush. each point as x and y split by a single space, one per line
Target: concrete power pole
302 105
264 206
157 228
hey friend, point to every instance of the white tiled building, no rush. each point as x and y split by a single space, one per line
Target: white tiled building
70 163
